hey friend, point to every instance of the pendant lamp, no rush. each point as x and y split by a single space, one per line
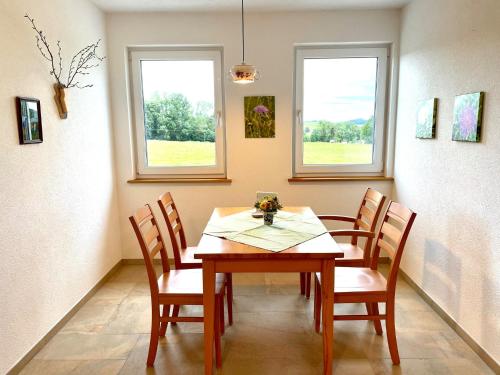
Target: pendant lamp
243 73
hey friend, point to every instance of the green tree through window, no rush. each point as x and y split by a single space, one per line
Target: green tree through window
172 118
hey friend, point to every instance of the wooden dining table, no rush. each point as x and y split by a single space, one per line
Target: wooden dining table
220 255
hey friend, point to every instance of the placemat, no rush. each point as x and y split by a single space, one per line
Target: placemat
288 229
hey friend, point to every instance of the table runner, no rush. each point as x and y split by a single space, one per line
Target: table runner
288 229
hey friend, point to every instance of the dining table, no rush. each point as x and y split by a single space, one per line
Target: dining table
222 252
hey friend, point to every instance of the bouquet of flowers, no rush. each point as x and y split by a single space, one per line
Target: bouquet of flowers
268 204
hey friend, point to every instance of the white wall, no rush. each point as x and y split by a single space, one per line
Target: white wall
450 47
59 231
253 164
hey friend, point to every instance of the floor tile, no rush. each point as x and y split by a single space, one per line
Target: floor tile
43 367
77 346
133 316
102 367
90 318
112 293
177 354
272 334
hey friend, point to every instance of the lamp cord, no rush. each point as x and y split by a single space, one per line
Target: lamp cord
243 31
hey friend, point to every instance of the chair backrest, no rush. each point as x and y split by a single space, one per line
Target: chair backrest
391 238
151 241
174 225
368 213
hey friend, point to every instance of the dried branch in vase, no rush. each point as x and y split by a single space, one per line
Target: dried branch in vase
81 63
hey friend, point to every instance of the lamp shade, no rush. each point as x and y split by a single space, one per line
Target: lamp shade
243 73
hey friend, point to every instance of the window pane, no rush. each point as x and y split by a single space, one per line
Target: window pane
179 103
339 110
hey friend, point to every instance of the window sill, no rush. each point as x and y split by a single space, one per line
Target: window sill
220 180
340 178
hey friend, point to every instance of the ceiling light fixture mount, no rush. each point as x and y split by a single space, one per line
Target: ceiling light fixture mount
243 73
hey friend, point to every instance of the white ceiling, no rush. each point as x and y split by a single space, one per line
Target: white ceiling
232 5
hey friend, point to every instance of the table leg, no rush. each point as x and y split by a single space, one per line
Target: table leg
209 312
327 278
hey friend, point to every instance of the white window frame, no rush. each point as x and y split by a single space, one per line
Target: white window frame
178 54
341 51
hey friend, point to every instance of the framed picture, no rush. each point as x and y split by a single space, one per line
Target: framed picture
426 119
259 117
468 117
29 120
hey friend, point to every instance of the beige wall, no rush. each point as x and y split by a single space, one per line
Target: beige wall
450 47
60 227
59 222
262 164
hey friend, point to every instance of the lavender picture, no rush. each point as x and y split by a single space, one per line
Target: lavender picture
259 117
467 117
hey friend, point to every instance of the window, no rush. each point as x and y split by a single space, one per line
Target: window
178 103
340 110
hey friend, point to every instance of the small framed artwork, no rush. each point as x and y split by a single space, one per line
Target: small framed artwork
29 120
259 117
426 119
468 117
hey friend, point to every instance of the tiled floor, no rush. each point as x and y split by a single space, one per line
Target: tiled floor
272 334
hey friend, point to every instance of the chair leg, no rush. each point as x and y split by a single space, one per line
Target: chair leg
368 306
229 284
221 313
175 313
391 331
376 323
163 325
317 304
218 354
308 285
155 333
302 283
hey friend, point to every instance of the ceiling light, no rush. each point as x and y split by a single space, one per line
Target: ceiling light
243 73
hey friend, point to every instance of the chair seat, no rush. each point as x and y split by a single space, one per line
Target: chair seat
186 282
359 279
188 259
350 281
353 255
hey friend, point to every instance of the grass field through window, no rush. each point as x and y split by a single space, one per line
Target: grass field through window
178 153
337 153
190 153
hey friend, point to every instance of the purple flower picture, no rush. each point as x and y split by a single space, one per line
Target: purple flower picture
262 109
259 117
467 117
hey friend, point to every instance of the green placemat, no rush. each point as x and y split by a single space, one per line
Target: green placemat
288 229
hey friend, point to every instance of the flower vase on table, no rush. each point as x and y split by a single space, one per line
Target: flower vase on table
269 217
269 207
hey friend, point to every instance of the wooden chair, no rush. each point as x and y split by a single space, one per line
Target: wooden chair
184 255
365 221
369 286
172 287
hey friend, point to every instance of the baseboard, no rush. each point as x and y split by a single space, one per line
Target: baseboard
16 369
483 354
135 262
